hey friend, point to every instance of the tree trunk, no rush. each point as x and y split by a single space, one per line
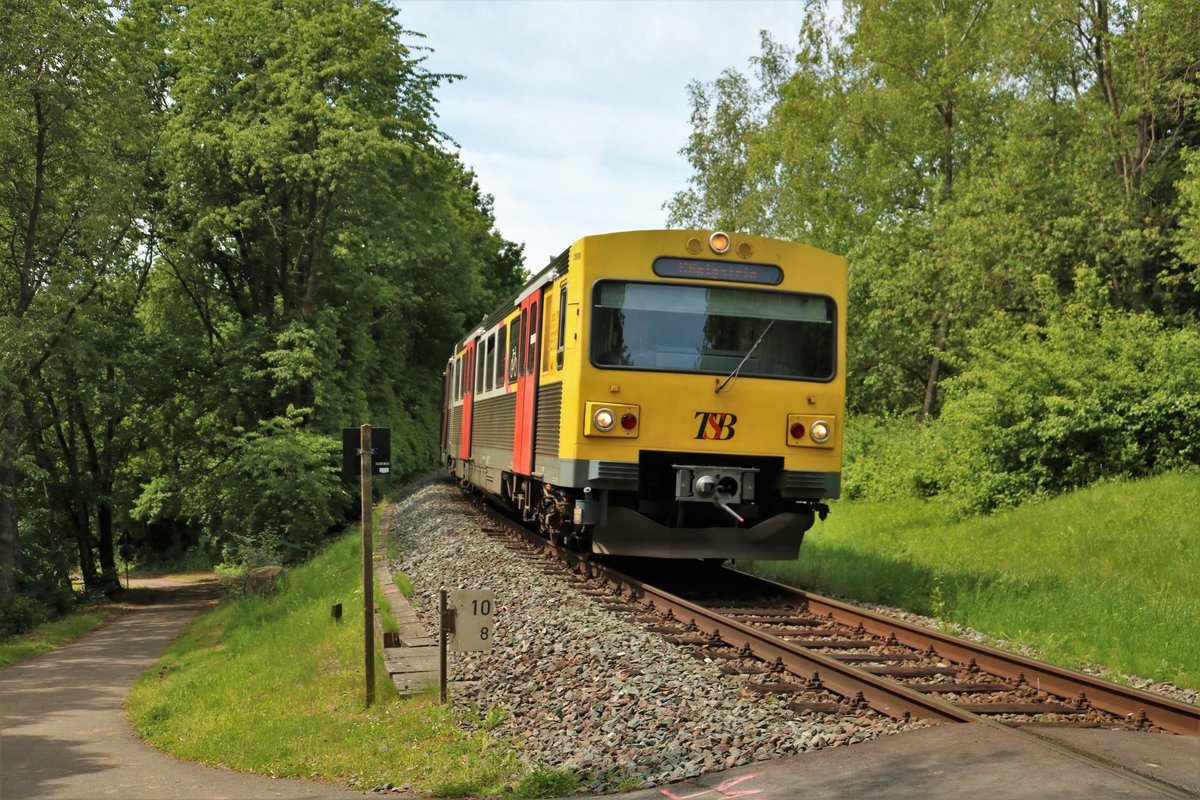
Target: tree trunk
929 407
110 576
9 539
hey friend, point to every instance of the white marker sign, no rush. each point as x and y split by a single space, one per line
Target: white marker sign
473 620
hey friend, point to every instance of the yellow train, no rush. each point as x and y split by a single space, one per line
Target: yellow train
673 394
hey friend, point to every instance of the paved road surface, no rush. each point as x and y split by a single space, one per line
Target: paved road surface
64 733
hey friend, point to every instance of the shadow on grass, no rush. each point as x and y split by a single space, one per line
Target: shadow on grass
897 581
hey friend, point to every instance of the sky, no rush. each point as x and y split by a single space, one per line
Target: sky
572 114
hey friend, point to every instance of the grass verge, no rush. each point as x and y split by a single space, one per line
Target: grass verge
49 635
274 686
1103 576
80 621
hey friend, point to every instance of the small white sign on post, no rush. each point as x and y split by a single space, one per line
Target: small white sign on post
473 620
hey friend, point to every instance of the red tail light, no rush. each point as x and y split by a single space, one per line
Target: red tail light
797 430
628 422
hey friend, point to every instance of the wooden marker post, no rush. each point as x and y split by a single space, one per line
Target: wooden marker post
368 555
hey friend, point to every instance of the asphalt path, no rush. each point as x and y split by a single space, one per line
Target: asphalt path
64 732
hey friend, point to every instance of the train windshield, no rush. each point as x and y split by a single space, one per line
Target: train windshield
674 328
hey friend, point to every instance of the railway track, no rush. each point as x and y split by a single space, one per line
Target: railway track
803 641
821 655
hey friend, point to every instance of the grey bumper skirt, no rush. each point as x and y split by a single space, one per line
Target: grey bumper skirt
628 533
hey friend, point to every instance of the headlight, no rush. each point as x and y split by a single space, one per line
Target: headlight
820 431
719 242
604 419
612 420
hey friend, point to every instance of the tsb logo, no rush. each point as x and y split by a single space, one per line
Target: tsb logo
715 425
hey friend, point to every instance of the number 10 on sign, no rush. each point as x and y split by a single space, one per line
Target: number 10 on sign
473 620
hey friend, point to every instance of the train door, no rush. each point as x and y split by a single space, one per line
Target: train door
447 404
527 371
468 384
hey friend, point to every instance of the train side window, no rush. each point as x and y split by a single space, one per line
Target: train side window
514 349
488 363
562 326
499 356
458 378
534 319
521 348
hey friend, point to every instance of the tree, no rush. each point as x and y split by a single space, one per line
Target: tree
955 151
73 144
321 244
231 228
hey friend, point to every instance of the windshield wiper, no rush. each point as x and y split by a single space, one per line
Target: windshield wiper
745 358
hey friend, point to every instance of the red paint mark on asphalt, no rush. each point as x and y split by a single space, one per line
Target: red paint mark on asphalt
722 791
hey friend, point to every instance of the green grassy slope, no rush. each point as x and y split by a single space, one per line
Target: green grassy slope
1108 575
275 686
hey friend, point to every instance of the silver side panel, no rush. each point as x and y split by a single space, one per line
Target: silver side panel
494 422
455 432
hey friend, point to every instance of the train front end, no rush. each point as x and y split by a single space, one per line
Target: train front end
708 403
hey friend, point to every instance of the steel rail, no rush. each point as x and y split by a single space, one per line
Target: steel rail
888 696
882 695
1121 701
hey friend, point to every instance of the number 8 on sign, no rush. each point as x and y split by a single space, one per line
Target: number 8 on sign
473 623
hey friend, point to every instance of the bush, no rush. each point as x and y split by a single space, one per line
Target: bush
889 458
276 496
34 606
1094 394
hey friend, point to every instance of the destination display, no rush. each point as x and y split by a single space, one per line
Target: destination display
697 268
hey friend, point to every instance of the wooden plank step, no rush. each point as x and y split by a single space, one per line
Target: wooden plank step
418 642
405 660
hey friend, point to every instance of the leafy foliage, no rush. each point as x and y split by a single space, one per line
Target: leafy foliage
1094 393
971 158
275 495
217 213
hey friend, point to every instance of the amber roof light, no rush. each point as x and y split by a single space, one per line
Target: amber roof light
719 242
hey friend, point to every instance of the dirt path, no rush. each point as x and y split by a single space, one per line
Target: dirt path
63 729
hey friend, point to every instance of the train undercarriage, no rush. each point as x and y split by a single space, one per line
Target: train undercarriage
672 510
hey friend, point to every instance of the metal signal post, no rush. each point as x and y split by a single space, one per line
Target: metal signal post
368 556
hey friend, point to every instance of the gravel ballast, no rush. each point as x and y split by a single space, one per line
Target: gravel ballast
586 690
